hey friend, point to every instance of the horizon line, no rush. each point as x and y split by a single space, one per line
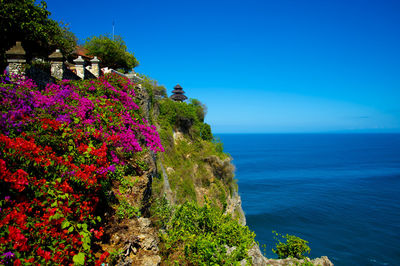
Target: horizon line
276 133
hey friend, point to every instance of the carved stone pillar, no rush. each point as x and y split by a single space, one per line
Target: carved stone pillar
56 63
79 66
95 68
16 59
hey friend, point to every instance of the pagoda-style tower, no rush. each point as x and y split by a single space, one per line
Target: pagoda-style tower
178 94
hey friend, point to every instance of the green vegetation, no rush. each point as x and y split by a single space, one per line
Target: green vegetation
196 231
112 52
205 132
126 210
29 22
198 169
187 117
197 235
202 111
196 162
153 88
294 247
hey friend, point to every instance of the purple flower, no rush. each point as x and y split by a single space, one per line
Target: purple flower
8 255
64 118
84 106
114 157
111 168
102 170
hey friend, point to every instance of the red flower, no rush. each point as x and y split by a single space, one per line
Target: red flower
31 260
18 238
44 254
102 258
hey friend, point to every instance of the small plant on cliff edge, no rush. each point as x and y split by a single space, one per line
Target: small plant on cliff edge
295 247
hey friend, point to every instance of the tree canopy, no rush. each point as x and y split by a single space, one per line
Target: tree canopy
112 53
29 22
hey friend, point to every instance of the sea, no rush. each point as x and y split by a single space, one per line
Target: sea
340 192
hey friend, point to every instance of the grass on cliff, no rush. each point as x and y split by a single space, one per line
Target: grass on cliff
196 164
195 168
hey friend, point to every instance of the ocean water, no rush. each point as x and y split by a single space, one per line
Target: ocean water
341 192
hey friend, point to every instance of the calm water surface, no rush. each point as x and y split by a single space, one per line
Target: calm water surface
341 192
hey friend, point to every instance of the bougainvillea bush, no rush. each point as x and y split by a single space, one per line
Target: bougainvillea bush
59 148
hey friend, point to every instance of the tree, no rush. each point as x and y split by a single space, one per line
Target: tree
201 109
112 53
205 132
28 22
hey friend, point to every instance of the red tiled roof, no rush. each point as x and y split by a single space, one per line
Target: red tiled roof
82 51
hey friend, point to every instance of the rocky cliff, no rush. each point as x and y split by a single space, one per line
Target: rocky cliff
191 169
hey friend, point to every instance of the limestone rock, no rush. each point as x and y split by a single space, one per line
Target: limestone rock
234 207
146 242
259 260
323 261
144 222
170 170
151 260
256 256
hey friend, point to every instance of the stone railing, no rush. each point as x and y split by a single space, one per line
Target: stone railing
132 76
16 59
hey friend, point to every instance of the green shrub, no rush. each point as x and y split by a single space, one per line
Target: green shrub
219 146
162 211
201 109
126 210
294 247
197 235
185 117
205 132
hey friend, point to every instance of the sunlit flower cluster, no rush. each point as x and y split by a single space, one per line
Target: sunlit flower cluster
57 146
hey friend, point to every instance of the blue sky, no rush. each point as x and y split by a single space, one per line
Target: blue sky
263 66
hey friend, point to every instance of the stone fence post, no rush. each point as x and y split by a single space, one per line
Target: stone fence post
79 66
56 63
16 59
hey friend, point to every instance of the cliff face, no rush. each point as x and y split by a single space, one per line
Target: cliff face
191 169
207 174
135 239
